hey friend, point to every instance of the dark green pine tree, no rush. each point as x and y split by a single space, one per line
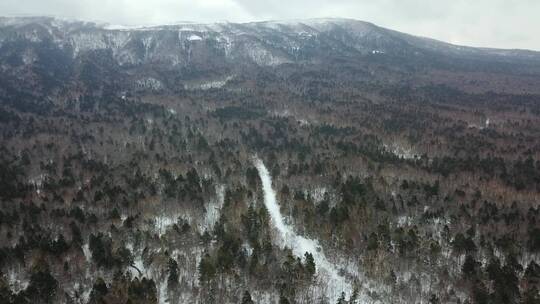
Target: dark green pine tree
43 286
207 269
434 299
246 298
469 267
532 273
341 299
99 290
173 271
283 300
310 265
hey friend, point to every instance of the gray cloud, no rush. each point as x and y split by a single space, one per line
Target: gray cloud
488 23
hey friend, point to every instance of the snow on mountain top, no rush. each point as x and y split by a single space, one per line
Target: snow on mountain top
194 38
183 25
358 31
120 27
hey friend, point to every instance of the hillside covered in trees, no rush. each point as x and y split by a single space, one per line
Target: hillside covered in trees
129 175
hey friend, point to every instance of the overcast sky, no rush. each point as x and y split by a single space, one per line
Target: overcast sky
489 23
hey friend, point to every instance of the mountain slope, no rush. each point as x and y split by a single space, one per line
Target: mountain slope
69 50
309 161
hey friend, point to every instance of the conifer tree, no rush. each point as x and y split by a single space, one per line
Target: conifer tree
246 298
173 271
309 265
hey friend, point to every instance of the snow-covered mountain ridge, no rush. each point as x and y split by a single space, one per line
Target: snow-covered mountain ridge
266 43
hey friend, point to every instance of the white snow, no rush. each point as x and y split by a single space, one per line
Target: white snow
86 42
163 299
164 221
29 57
317 193
401 151
211 84
262 56
213 210
87 253
120 27
281 113
303 122
16 280
487 122
194 38
138 262
404 220
149 83
328 273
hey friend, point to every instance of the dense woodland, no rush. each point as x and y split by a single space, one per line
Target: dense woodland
113 192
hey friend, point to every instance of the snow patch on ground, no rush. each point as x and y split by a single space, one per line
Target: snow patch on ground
29 57
86 252
194 38
162 297
16 280
247 248
303 122
282 113
286 113
401 151
263 57
404 220
120 27
164 221
329 273
149 83
207 85
317 194
86 41
487 122
37 182
213 210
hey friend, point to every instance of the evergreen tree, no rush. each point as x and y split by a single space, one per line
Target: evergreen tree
42 287
142 292
433 299
76 235
480 293
173 271
246 298
58 246
469 268
341 299
373 242
99 290
283 300
309 265
207 269
101 248
532 274
354 296
124 257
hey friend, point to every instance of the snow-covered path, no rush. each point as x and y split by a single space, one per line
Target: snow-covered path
327 272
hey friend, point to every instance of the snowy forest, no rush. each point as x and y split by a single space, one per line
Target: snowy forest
350 178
